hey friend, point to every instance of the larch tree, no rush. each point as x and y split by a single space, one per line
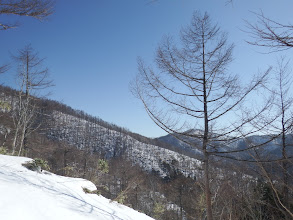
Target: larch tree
32 77
277 37
191 94
278 130
284 104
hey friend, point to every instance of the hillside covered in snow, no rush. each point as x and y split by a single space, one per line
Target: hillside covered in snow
85 134
32 195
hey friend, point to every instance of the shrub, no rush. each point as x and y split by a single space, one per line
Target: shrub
86 190
159 210
5 106
103 166
121 198
3 150
68 170
37 165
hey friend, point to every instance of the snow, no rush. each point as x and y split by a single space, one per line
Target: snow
29 195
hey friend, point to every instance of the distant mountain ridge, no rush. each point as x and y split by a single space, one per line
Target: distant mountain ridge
271 147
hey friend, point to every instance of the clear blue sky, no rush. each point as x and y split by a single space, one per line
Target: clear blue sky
91 48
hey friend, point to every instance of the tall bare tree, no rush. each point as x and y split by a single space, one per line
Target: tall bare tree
32 77
284 105
192 89
276 37
278 129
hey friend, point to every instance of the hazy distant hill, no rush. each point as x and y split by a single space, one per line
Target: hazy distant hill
271 149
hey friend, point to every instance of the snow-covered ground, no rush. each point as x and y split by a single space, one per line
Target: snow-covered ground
29 195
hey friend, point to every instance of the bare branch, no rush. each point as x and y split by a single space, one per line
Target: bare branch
270 34
38 9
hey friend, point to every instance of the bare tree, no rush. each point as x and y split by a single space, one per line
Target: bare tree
32 78
39 9
284 104
276 37
278 127
191 89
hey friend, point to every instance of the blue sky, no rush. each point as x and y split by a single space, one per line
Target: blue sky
91 48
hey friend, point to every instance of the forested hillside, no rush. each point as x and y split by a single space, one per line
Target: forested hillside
139 172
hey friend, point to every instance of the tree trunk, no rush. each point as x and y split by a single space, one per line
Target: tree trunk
285 190
207 187
22 140
14 141
205 138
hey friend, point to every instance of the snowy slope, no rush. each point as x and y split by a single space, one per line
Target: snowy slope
84 134
29 195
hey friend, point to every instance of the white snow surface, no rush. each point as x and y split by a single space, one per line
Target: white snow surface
29 195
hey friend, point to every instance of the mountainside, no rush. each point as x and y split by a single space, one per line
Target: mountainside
59 122
62 123
96 138
162 177
31 195
125 167
163 155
